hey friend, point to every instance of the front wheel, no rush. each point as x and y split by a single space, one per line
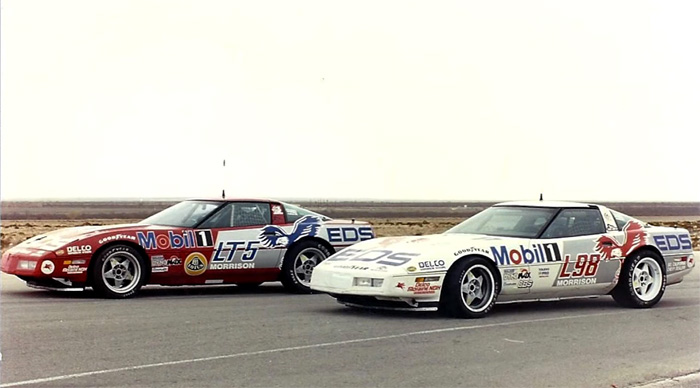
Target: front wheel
470 289
118 272
299 263
642 281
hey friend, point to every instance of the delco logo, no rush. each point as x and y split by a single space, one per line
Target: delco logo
79 250
673 242
432 265
350 234
185 239
539 253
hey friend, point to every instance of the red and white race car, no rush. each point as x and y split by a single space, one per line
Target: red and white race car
246 242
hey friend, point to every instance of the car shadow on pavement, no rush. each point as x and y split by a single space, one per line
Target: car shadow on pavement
150 291
579 306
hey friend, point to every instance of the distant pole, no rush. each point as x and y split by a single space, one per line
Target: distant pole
540 196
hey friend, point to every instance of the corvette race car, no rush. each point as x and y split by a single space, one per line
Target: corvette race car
245 242
511 252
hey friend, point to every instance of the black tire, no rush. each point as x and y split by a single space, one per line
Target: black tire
248 286
299 262
475 275
118 272
642 280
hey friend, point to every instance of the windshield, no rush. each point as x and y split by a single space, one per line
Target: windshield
296 212
186 214
504 221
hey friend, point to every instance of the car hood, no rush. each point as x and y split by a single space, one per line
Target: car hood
415 253
61 237
429 243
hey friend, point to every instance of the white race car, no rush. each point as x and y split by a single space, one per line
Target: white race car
512 251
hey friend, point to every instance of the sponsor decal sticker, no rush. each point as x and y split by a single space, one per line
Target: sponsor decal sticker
79 250
524 278
117 237
231 265
432 265
471 250
680 264
174 261
401 285
195 264
543 272
277 210
172 240
74 269
47 267
537 253
349 234
159 269
423 288
158 261
411 269
60 252
353 267
673 242
510 277
380 256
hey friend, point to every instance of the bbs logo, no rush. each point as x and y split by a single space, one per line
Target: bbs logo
524 279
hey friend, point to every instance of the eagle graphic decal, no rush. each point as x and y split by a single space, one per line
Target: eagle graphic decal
272 236
608 247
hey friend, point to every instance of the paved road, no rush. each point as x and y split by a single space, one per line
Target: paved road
220 336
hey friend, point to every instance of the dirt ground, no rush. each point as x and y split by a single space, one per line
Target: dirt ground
14 232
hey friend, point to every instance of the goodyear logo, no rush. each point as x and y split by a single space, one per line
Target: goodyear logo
195 264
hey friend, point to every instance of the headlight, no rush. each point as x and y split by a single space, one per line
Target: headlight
368 282
26 265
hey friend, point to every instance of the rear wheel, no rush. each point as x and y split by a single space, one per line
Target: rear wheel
471 289
118 272
299 263
642 281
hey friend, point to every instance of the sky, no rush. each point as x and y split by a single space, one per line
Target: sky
392 100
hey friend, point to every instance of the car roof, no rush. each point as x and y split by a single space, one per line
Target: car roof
554 204
234 199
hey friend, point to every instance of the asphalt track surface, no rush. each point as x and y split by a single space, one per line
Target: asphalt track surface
222 336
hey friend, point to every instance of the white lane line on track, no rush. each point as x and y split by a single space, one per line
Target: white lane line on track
313 346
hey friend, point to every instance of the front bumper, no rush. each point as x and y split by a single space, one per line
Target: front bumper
43 269
397 290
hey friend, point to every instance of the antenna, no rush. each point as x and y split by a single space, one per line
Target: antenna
540 196
223 191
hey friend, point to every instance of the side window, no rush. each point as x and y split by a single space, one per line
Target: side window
222 218
237 214
575 222
251 214
621 219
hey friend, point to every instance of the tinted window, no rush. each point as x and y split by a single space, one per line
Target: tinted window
237 214
506 221
293 213
622 219
184 214
575 222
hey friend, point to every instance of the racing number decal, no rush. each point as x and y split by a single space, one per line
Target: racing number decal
585 265
204 238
